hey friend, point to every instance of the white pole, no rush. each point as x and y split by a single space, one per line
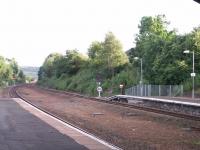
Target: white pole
170 90
193 76
141 77
141 72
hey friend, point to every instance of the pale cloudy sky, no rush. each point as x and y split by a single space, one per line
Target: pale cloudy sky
31 29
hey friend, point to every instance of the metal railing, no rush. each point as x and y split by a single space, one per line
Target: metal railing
155 90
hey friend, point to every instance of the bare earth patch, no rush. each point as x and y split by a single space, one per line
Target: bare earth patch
127 128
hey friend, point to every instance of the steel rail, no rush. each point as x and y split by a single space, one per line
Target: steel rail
143 108
14 94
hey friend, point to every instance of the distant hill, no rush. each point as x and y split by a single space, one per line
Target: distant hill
30 71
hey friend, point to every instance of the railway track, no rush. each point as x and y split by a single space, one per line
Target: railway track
191 128
13 93
154 110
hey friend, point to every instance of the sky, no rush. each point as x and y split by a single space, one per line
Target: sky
32 29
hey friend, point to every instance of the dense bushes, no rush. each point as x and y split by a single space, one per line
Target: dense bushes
84 82
10 72
80 73
161 51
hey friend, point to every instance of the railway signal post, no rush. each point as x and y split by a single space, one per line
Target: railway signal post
99 89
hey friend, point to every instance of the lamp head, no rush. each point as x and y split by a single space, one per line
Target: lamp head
186 51
136 58
121 86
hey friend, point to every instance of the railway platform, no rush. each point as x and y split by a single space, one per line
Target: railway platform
174 105
24 127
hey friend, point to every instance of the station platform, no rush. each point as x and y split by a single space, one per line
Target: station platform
181 99
24 127
172 100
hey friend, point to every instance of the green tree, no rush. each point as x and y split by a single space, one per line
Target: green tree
5 72
48 68
196 38
112 55
94 53
21 77
161 51
14 66
10 72
75 61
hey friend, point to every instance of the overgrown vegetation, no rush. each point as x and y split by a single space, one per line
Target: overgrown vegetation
160 49
10 73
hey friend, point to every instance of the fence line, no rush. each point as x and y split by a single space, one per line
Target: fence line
155 90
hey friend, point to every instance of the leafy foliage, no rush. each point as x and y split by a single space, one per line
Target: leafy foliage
76 72
160 49
10 72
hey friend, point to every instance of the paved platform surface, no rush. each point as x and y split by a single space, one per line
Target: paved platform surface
181 99
23 127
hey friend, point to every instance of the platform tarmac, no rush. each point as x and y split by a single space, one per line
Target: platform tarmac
24 127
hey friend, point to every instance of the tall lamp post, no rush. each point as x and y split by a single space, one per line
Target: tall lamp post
141 75
193 73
